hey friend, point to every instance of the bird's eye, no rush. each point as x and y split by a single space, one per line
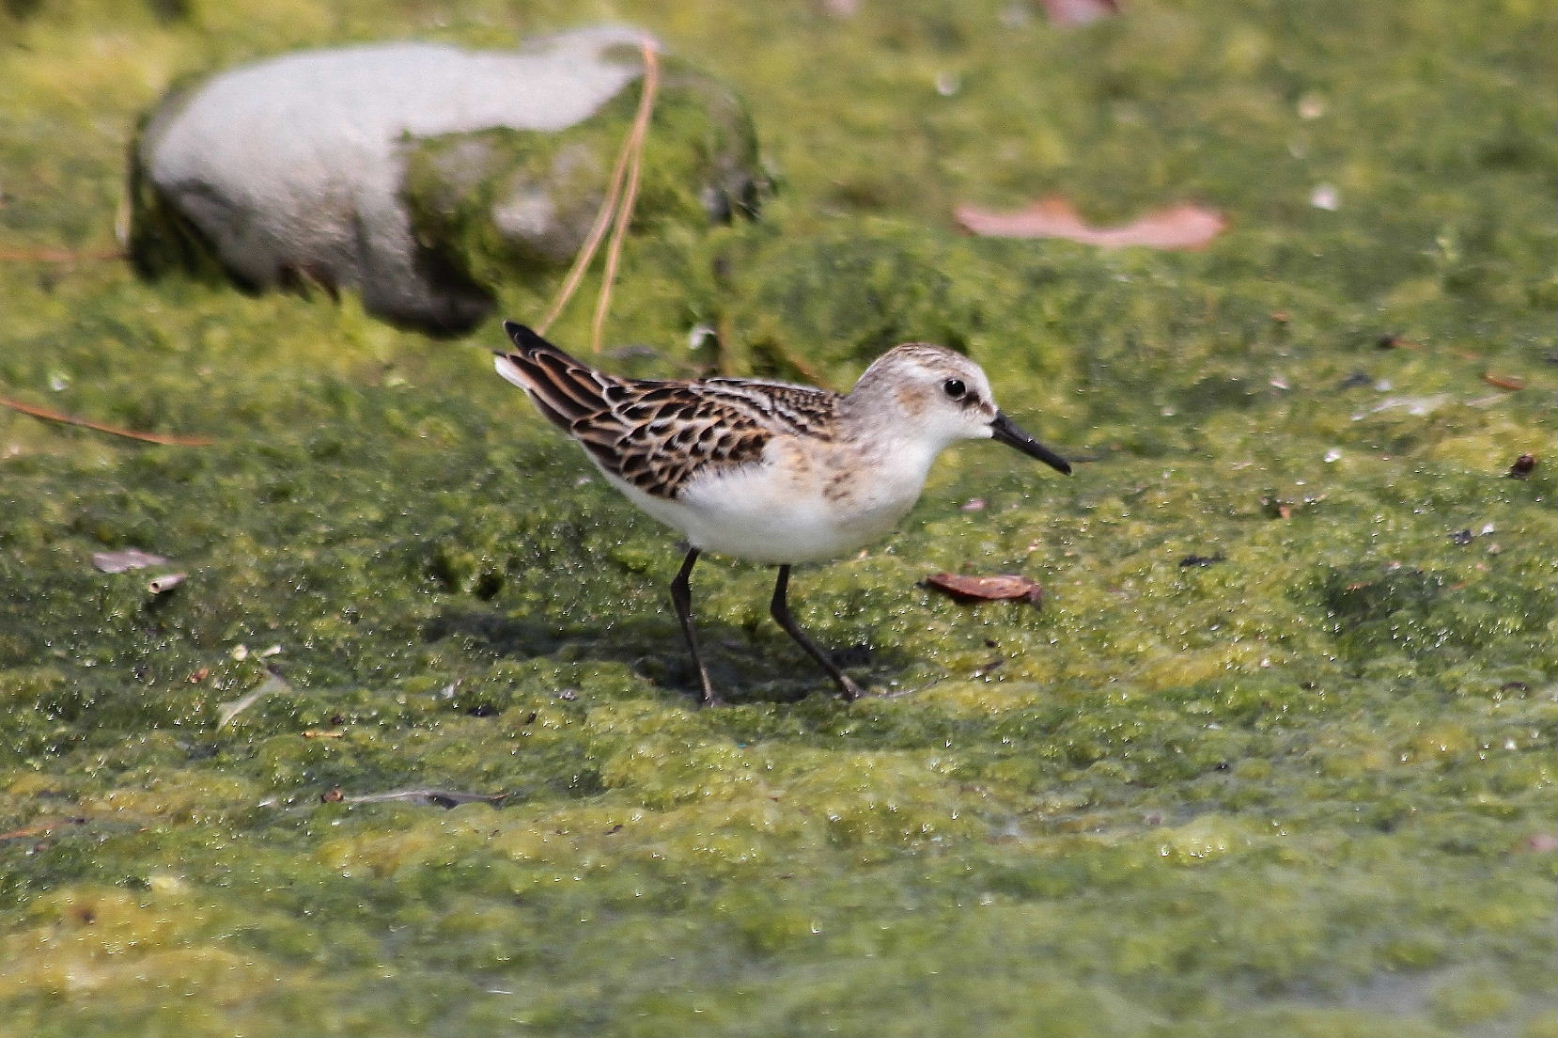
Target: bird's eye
955 388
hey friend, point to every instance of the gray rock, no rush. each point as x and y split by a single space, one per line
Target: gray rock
423 174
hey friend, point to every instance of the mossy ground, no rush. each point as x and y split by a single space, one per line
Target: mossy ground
1305 789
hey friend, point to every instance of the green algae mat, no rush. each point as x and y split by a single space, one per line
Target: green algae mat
412 749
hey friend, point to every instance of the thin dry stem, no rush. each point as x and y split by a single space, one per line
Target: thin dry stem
68 419
615 209
635 146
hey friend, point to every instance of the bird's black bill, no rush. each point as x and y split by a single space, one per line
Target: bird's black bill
1006 431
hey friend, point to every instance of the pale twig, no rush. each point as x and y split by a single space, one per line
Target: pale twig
273 683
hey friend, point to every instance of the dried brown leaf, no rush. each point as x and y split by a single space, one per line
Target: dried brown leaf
1509 382
995 588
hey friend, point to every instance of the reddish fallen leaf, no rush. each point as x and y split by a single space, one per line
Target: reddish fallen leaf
1000 587
1177 227
1542 843
1079 12
119 561
1510 382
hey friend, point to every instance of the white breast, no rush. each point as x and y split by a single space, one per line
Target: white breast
796 505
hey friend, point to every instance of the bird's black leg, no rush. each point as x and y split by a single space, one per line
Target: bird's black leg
780 607
681 597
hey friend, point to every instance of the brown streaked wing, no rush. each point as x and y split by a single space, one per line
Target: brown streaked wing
802 410
657 435
665 433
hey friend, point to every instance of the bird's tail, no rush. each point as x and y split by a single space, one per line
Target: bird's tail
563 388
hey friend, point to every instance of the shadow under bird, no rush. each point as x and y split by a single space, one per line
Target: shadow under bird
767 471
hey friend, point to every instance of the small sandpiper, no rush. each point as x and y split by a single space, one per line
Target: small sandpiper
767 471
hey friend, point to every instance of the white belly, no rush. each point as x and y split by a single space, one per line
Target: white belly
777 513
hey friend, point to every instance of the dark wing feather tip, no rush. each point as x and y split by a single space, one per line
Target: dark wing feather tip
527 338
